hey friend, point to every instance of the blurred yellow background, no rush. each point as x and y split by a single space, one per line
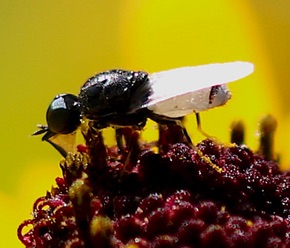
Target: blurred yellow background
51 47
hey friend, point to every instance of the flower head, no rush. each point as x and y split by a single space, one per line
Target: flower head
172 198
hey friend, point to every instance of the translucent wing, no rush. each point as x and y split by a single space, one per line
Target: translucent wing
174 82
180 91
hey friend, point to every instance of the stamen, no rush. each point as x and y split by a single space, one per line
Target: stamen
238 132
268 125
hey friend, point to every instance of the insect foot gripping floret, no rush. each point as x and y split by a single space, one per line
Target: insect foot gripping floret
167 199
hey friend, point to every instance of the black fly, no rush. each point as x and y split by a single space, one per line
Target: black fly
120 98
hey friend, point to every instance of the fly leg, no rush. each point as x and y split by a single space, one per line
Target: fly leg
119 139
131 148
199 128
178 122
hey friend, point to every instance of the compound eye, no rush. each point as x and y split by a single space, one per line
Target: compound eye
63 114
